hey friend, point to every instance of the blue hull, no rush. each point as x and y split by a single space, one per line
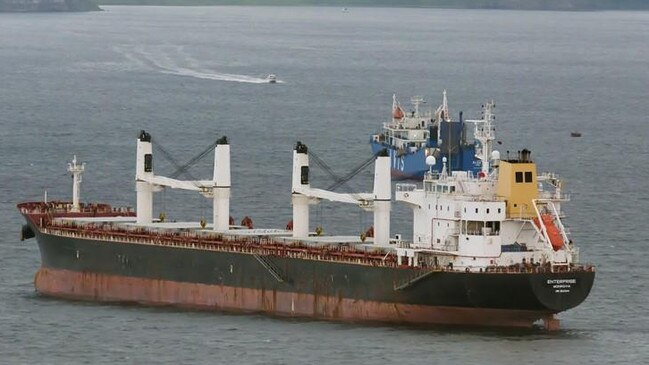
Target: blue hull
412 165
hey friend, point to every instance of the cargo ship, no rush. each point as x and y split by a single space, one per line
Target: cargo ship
410 137
487 250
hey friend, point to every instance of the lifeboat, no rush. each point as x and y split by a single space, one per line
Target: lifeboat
398 113
556 239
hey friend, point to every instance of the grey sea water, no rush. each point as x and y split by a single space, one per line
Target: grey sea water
86 84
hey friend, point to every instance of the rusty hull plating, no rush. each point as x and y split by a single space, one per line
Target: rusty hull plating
110 288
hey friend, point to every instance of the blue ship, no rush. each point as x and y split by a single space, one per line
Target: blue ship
412 136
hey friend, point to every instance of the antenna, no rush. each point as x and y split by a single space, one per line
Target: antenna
445 105
444 173
416 101
484 133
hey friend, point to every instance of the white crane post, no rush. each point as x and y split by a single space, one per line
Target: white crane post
76 170
144 167
382 198
300 201
221 208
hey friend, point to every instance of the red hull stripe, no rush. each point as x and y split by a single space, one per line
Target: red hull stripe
111 288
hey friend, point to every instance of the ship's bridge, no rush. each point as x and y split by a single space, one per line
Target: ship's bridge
460 185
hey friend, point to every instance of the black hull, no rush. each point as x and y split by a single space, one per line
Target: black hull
540 293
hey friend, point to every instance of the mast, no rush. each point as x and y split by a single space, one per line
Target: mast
446 118
382 199
222 181
76 170
143 172
416 101
394 105
300 201
445 105
485 134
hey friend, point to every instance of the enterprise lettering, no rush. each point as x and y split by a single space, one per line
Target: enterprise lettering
561 281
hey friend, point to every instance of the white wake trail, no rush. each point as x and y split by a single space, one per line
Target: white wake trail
180 71
160 60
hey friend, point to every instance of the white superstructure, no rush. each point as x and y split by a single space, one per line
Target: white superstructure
410 131
507 215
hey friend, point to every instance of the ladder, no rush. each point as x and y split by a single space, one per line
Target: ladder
413 280
268 265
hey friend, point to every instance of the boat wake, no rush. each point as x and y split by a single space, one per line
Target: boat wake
173 60
215 76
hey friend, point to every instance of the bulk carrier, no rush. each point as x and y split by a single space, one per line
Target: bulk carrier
488 249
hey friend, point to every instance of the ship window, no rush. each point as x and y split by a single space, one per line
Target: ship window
474 228
519 176
476 210
494 228
487 210
452 188
528 176
498 210
148 162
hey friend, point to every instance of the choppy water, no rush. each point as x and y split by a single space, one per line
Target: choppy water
86 83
